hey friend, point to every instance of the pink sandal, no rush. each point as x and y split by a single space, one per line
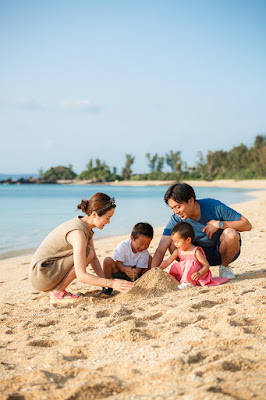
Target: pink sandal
56 297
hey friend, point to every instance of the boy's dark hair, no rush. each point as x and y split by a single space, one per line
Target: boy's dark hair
142 228
179 192
184 229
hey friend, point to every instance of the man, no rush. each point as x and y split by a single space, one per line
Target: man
216 227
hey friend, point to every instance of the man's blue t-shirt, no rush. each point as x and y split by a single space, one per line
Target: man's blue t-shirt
210 209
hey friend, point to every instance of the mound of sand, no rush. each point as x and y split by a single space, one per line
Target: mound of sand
153 283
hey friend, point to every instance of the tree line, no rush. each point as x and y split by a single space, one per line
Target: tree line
240 162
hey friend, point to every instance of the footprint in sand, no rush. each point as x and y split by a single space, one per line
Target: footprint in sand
205 304
195 358
102 314
237 364
43 323
41 343
123 312
76 354
248 291
248 325
103 389
154 316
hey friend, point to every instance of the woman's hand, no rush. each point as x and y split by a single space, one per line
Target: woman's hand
121 285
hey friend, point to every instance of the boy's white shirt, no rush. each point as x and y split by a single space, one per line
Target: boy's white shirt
124 253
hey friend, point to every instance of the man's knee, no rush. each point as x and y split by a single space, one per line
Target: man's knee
230 235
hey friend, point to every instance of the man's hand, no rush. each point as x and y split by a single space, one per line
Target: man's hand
211 228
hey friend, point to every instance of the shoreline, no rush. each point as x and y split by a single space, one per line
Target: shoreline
226 183
118 238
222 183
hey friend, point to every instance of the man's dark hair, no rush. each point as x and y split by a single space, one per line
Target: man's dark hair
142 228
179 192
184 229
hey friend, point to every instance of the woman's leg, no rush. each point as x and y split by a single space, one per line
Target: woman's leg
71 275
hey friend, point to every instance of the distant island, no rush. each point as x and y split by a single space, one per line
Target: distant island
240 162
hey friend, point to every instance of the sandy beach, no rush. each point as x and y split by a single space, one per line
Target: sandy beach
154 342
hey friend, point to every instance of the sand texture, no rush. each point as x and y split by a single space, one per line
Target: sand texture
154 342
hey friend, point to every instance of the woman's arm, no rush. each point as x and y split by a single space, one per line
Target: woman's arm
205 266
78 240
169 260
95 263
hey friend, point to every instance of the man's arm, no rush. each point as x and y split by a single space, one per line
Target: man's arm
164 244
241 225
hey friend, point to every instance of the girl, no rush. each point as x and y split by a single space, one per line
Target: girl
193 268
68 249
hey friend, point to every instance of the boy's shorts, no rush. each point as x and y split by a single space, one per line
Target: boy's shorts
122 275
212 253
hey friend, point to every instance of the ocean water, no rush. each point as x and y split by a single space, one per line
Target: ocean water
29 212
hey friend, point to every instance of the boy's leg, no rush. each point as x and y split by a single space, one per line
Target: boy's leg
109 267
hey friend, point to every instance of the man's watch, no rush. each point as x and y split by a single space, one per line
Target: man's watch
220 224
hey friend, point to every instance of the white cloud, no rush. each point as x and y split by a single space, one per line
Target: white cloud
80 105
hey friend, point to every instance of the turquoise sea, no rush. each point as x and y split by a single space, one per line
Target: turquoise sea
29 212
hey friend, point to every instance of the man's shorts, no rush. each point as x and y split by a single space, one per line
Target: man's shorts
212 253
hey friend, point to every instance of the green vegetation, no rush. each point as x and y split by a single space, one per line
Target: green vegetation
98 172
59 172
240 162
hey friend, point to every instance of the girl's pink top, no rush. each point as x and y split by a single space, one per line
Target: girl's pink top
189 264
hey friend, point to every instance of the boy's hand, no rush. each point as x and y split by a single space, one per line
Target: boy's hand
130 273
195 276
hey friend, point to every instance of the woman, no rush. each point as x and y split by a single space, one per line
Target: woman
68 249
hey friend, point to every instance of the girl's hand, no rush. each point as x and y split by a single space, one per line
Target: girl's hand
195 276
121 285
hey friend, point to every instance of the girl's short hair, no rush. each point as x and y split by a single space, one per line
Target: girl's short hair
184 229
142 228
99 202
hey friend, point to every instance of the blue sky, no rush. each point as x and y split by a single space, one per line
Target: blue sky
85 79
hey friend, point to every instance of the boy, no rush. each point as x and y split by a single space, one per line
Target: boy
131 257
